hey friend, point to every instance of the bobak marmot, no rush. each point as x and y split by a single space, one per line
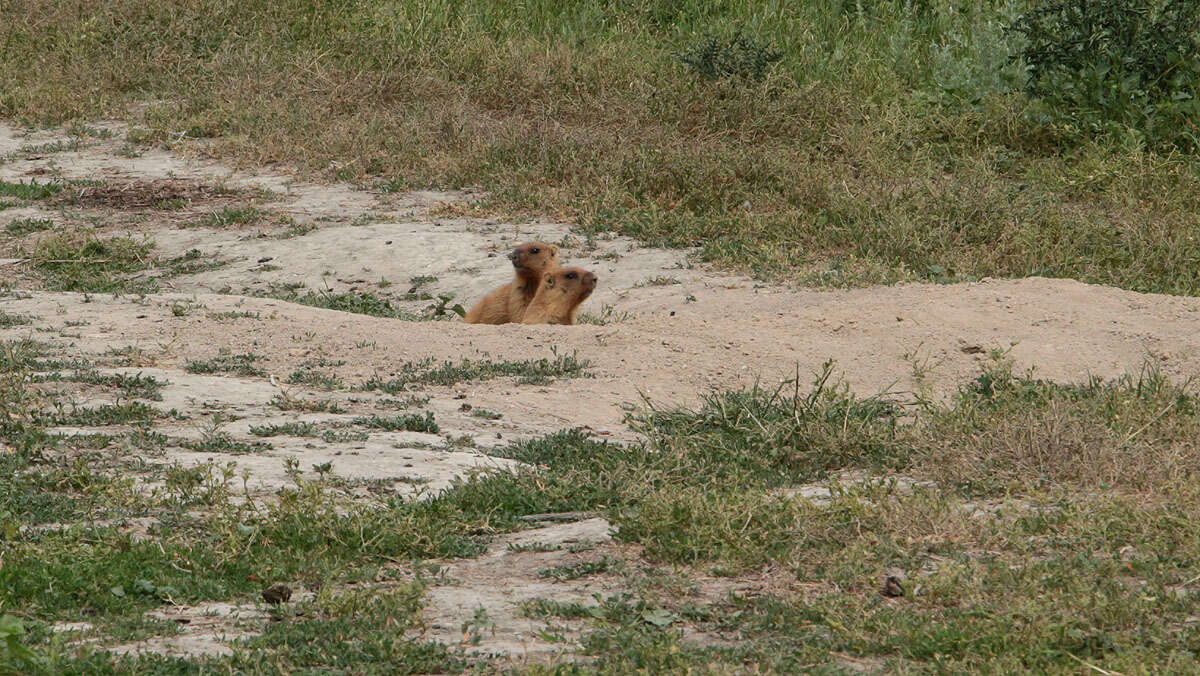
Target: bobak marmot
507 303
559 296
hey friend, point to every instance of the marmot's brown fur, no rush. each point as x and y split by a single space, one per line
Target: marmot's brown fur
507 303
559 295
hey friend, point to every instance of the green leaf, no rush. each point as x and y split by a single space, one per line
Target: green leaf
659 617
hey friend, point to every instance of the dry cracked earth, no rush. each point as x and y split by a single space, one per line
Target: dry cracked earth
660 329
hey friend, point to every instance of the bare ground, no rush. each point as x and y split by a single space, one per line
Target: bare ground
673 331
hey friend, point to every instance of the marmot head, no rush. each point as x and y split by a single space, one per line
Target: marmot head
575 283
536 256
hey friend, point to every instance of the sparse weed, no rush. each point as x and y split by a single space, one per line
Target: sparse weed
238 364
284 402
401 423
33 190
356 302
9 320
230 216
24 226
81 261
448 373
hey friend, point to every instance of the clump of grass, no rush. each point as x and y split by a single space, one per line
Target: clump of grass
307 374
233 216
296 230
448 373
356 302
740 56
237 364
289 403
109 414
608 315
659 280
583 569
9 320
232 315
294 429
221 442
413 422
190 263
81 261
33 190
136 385
25 226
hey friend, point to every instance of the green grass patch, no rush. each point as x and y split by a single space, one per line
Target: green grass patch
308 374
81 261
32 190
8 320
230 216
232 315
190 263
237 364
413 422
289 403
108 414
136 385
575 571
427 372
25 226
1033 524
356 302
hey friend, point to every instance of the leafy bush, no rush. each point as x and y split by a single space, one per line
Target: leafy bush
740 56
15 658
1105 65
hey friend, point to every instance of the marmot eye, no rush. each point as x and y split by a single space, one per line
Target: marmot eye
534 250
571 275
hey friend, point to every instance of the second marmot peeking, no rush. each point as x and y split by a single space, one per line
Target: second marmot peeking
559 295
507 303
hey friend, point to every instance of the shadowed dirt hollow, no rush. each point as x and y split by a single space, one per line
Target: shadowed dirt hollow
661 328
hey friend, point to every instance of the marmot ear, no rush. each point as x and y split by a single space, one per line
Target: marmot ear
554 249
549 279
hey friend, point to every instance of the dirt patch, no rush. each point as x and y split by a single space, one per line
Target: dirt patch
479 606
205 629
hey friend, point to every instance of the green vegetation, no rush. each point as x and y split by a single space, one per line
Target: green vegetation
1017 526
9 320
32 190
24 226
412 422
233 216
835 143
425 372
357 302
308 374
238 364
1031 526
82 261
136 385
1115 67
